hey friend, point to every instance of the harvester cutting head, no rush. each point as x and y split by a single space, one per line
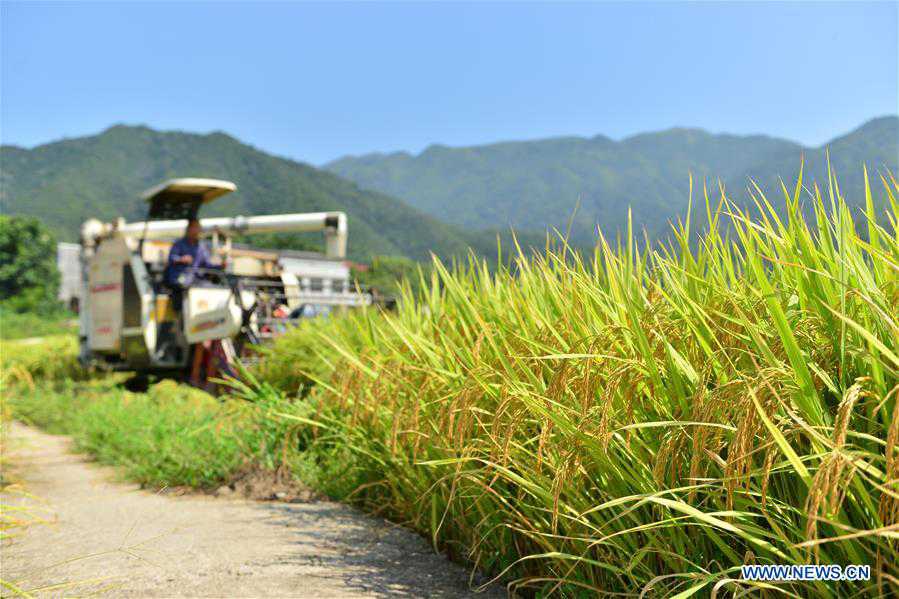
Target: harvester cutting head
136 316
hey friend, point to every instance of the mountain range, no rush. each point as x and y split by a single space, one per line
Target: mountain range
65 182
530 185
443 200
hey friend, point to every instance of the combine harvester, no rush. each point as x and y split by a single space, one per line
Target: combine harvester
129 320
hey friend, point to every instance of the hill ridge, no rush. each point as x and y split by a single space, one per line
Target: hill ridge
68 180
534 184
598 136
444 199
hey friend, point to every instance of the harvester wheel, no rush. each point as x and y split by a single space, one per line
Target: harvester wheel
215 359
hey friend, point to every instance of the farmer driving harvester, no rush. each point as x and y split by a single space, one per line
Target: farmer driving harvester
186 267
187 259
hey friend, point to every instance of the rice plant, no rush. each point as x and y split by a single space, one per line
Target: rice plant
644 419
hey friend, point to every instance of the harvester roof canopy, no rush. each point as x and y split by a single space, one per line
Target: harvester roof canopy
181 198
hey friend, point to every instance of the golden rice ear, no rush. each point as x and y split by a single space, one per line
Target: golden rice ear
844 412
888 508
770 457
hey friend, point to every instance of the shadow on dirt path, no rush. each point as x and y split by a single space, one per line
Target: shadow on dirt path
114 539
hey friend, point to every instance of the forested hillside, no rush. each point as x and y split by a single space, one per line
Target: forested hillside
65 182
532 184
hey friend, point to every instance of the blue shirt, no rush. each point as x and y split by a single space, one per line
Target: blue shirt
174 271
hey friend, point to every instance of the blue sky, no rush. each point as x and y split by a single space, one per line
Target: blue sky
317 81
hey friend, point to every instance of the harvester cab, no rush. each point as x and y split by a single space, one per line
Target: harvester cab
135 317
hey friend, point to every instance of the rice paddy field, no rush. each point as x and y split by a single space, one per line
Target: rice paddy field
639 421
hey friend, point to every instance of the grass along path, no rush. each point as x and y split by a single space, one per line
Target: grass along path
191 545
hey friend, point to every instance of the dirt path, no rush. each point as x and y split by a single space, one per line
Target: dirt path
114 539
